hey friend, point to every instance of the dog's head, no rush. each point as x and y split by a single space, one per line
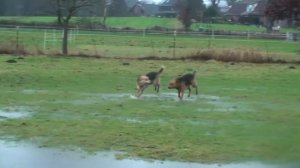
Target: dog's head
173 84
142 80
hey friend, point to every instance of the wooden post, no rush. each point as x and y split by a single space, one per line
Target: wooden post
174 43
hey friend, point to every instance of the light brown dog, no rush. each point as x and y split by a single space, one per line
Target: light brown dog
184 82
145 80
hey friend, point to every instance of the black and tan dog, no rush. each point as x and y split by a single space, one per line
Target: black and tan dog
145 80
184 82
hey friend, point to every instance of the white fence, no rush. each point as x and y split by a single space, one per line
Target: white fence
53 36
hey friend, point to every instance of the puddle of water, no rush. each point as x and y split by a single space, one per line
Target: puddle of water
33 91
161 96
95 98
21 155
223 105
218 104
14 113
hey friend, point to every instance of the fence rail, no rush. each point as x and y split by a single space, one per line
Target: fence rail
138 42
170 32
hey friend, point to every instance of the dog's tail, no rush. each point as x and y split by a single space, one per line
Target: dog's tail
161 69
194 73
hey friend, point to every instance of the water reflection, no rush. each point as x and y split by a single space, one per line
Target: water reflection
23 155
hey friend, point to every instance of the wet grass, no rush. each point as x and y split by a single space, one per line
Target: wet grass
244 111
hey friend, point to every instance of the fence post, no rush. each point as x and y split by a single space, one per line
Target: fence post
174 43
53 37
70 35
212 33
144 32
248 35
45 38
17 38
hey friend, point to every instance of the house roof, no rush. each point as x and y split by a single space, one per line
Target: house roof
260 8
131 3
168 3
150 9
247 7
249 2
236 9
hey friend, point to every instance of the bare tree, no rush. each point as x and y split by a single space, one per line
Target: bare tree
65 10
189 10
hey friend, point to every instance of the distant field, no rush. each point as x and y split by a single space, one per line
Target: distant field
140 45
119 22
138 22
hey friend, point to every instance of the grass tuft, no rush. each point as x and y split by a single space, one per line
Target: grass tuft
13 48
233 55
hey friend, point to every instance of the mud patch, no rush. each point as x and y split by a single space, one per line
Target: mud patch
24 155
14 113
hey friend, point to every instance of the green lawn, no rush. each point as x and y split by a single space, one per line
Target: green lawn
29 19
138 22
244 112
140 45
119 22
228 27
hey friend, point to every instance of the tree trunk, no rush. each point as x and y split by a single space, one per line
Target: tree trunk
104 15
65 38
269 25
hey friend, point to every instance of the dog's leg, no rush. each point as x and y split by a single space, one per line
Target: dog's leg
139 93
141 90
182 89
194 84
156 84
189 88
157 88
179 93
138 90
196 87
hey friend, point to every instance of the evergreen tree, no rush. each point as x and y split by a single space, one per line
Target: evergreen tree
2 7
118 8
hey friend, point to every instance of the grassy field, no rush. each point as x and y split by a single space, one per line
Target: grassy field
137 22
244 112
140 45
